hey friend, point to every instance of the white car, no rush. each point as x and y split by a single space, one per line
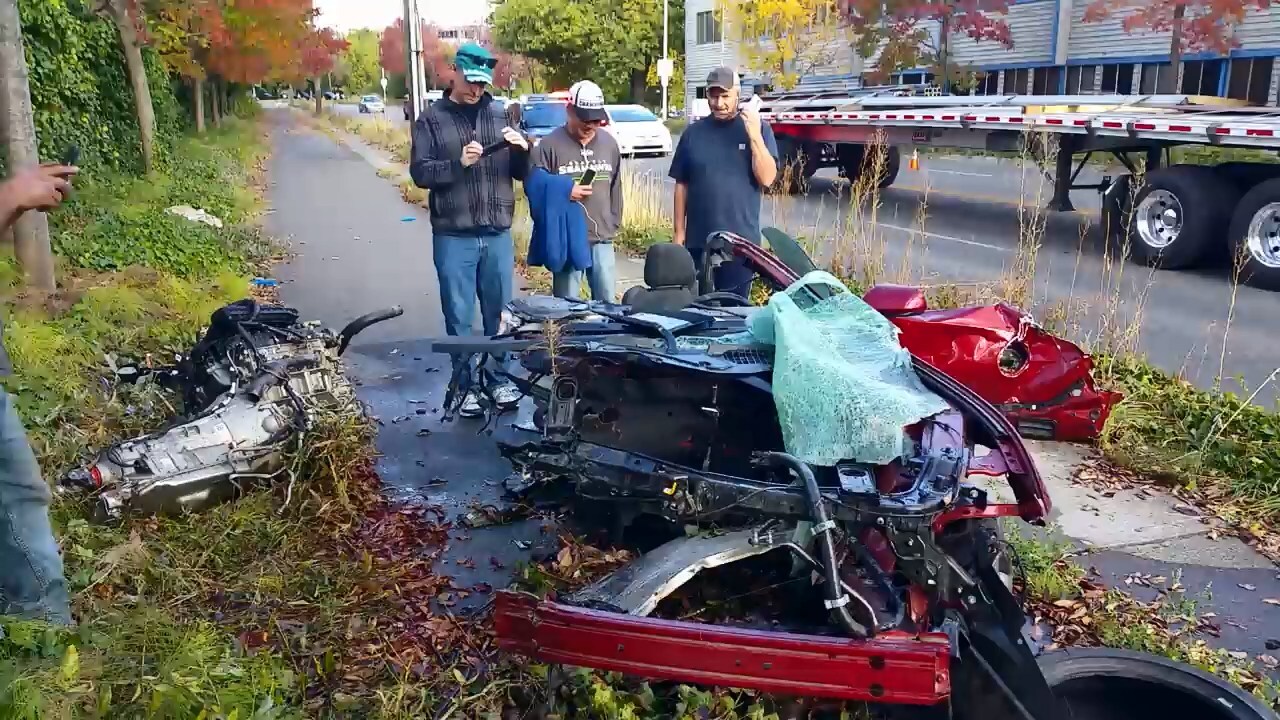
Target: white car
637 130
372 104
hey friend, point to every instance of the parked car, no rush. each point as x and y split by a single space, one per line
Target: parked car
372 104
637 130
538 118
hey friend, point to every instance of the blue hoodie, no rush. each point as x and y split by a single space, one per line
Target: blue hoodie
559 241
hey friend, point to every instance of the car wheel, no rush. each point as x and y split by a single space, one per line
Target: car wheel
1178 214
1255 236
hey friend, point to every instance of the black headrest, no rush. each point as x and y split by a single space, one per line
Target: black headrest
669 265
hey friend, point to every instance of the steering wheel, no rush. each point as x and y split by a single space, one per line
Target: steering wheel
722 299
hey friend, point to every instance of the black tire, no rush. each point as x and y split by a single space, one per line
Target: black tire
1256 251
1246 175
1105 684
1195 200
797 164
853 163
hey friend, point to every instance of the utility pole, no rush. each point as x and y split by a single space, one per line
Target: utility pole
664 65
414 81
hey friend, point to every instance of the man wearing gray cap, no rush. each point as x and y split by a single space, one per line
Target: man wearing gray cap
721 165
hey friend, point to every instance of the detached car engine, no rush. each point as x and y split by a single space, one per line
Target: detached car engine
256 379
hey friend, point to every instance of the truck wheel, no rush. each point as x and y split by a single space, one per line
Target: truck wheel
854 162
1178 215
797 163
1255 236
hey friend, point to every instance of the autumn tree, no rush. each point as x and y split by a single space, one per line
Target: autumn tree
919 33
786 38
1193 25
357 66
318 52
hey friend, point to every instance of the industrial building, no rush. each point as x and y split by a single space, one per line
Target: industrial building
1054 52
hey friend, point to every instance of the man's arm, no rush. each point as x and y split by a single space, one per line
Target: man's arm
680 173
682 195
764 151
427 167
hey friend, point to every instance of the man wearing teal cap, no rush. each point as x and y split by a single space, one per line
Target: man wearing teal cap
471 198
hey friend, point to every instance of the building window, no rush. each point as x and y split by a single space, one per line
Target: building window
1250 80
1201 77
700 92
1016 82
1157 78
988 84
1081 79
709 30
1045 80
1117 79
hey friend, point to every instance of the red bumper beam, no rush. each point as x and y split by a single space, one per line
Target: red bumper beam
895 668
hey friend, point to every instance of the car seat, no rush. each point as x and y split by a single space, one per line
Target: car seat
670 281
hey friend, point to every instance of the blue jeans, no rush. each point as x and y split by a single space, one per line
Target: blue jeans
31 580
468 266
601 276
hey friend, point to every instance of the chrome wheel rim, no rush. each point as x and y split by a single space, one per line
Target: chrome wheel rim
1263 237
1159 219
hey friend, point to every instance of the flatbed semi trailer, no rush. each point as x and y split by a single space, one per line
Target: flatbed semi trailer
1174 216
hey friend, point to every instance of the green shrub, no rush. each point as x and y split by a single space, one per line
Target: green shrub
80 90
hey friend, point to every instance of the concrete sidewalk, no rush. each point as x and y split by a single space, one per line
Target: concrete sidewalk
1122 534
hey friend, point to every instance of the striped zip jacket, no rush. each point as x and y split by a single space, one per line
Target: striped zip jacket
465 200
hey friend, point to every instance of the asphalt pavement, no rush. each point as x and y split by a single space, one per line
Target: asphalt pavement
357 247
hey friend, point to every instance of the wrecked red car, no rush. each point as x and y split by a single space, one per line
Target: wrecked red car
674 423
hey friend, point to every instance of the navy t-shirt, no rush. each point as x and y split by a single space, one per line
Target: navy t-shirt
714 160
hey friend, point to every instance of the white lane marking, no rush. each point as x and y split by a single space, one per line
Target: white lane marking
958 172
949 238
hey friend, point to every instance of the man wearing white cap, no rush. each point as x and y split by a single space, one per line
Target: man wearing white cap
720 166
574 149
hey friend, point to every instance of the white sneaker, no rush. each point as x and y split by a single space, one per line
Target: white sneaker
471 406
507 396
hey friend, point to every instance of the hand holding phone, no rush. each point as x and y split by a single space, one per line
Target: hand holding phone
588 177
71 156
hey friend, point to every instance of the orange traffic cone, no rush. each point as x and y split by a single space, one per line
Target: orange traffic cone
915 160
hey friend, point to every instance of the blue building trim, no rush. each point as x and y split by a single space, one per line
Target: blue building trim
1223 75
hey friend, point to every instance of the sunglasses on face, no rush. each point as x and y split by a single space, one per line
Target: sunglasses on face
490 63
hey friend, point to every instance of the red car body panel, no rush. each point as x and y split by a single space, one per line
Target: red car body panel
894 668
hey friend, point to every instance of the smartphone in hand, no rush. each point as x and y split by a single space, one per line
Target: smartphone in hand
588 177
71 156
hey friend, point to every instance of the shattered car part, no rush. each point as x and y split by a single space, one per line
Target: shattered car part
1042 382
256 378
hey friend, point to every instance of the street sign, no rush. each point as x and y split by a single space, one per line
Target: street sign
384 83
666 68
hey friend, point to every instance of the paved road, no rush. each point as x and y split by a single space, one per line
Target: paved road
358 247
971 233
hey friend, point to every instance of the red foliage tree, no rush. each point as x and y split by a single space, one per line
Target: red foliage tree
392 48
918 33
1193 25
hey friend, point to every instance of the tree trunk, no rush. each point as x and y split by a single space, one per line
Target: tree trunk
319 98
198 93
31 232
1175 52
137 79
217 105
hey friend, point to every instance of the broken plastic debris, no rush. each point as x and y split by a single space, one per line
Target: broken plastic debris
195 215
408 218
265 282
